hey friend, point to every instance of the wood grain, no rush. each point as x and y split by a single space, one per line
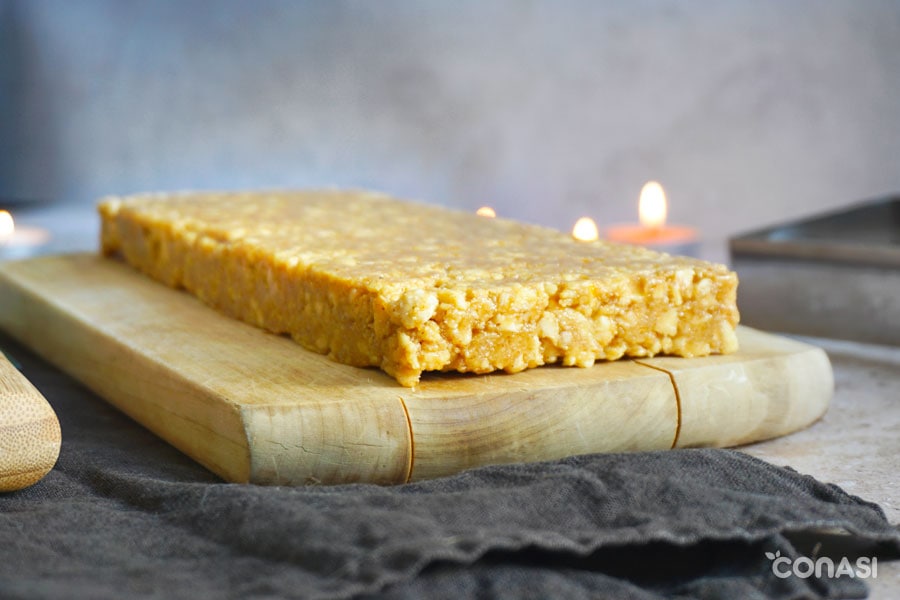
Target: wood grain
29 431
772 387
256 407
540 414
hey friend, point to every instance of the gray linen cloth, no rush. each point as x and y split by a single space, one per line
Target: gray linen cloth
124 515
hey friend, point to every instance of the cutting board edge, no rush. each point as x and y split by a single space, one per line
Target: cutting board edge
780 393
40 316
483 433
819 386
296 444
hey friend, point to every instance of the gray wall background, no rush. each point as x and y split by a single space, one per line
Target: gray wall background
748 112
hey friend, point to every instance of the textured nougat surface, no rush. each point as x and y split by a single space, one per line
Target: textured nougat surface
374 281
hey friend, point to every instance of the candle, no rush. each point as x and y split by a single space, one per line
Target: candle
653 232
19 241
585 230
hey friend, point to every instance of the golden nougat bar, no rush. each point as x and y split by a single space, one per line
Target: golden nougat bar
374 281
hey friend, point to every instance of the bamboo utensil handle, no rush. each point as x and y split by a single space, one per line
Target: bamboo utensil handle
29 431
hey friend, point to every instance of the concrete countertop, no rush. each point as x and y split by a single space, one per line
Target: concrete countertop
856 445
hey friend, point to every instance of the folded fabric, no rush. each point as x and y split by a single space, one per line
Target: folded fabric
125 515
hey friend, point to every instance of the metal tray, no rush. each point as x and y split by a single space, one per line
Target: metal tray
836 275
867 233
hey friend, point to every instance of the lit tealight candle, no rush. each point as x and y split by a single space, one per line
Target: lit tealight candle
652 231
19 242
486 211
585 230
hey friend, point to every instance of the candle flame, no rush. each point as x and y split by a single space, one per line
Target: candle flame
7 226
486 211
585 230
652 207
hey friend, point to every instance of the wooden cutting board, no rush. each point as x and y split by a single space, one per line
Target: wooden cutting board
253 406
